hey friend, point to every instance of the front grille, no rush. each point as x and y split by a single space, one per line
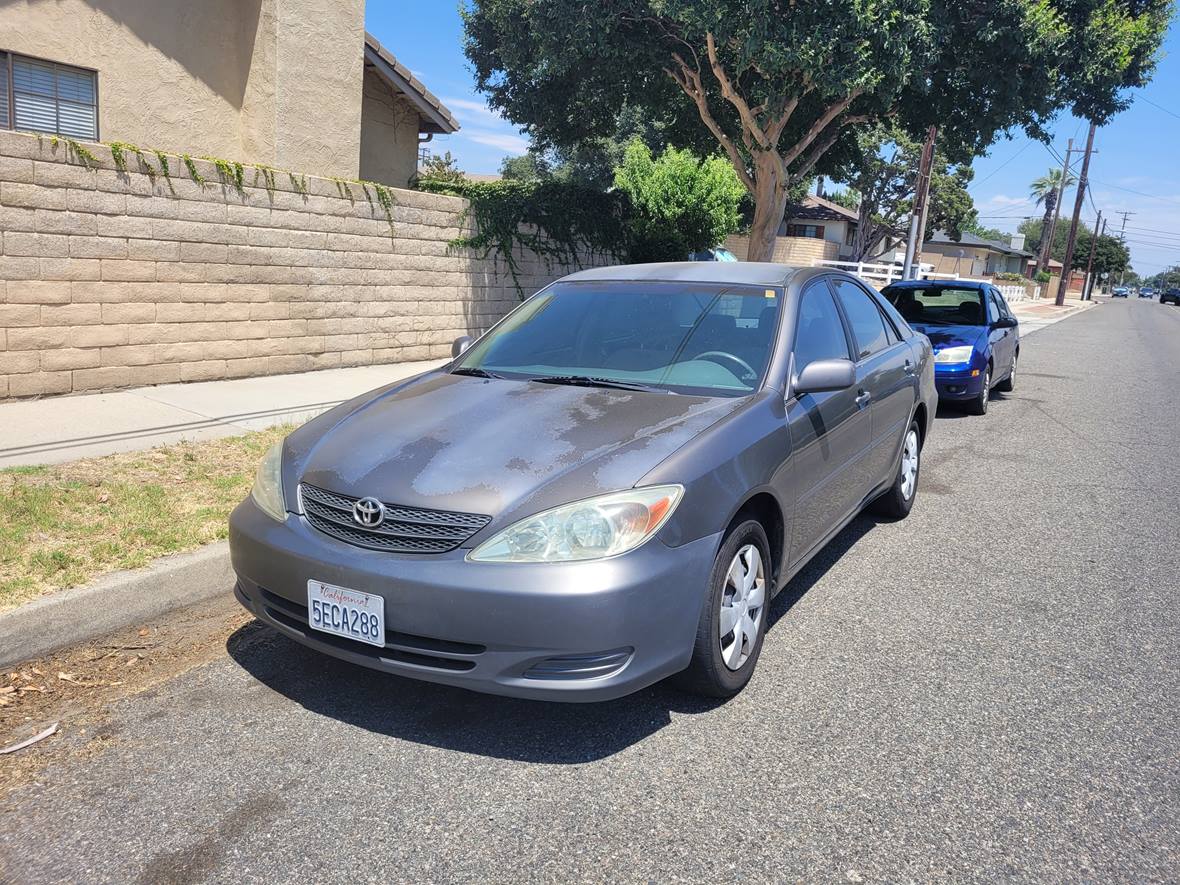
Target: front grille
405 648
405 529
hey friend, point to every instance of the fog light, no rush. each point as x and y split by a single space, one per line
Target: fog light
975 373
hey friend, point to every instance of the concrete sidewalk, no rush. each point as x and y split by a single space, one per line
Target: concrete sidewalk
64 428
1036 315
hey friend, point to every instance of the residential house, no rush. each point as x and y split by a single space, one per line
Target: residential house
292 84
815 230
972 257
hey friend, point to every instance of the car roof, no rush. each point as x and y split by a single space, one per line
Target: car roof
753 273
926 284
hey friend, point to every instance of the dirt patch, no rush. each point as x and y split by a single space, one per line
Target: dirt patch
76 686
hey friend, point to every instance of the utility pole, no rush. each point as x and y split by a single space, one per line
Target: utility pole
913 246
1083 183
1088 284
1047 236
1123 238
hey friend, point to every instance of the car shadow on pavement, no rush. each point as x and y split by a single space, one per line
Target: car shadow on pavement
488 725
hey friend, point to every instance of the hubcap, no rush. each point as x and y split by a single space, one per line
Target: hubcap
909 465
742 605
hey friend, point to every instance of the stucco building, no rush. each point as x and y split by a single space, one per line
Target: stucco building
293 84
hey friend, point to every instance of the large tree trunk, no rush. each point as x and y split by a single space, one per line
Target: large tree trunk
770 204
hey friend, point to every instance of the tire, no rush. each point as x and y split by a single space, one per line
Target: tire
1009 383
899 500
708 672
978 406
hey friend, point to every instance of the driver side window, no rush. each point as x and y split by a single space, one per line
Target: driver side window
820 333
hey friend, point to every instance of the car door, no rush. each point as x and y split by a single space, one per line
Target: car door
1003 337
885 368
830 431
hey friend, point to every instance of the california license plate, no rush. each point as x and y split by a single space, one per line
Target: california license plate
347 613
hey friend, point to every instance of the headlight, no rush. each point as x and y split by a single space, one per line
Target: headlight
268 484
590 529
954 354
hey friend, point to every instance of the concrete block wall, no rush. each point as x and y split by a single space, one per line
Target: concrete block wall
803 251
111 279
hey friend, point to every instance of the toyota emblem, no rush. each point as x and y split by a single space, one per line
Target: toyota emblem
368 512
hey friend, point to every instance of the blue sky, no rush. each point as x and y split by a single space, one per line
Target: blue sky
1135 170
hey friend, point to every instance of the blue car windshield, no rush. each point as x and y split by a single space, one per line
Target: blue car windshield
938 305
708 339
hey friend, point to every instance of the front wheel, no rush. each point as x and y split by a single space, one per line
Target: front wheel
899 500
978 406
733 618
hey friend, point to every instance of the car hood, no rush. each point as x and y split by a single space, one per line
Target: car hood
950 336
495 447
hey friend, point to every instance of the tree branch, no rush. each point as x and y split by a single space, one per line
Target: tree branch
689 80
749 123
820 125
822 148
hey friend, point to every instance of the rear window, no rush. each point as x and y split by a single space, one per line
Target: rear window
938 305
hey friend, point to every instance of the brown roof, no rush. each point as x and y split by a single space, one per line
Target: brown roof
815 208
434 114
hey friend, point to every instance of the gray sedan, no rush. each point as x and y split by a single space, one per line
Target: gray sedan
606 489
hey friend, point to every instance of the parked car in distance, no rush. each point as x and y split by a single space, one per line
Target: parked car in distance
1170 296
717 253
976 336
606 489
1147 292
1120 292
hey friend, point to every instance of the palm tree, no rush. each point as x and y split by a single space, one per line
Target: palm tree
1048 190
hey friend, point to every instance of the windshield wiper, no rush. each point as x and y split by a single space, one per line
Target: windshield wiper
591 381
474 372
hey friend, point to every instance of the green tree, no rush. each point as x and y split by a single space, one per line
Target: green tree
1110 255
441 168
783 86
681 203
530 166
984 233
884 175
1048 190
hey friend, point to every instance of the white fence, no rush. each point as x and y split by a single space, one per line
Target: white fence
884 274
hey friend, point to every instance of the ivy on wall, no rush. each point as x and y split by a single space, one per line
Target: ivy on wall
559 221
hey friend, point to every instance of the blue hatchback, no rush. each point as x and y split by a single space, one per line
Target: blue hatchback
976 336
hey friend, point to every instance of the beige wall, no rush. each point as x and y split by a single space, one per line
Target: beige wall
802 251
389 134
263 81
946 259
111 280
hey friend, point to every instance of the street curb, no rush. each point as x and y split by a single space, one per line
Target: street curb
114 602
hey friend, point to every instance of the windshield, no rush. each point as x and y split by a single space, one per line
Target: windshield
938 305
680 337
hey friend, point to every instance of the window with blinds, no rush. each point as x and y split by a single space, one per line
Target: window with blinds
44 96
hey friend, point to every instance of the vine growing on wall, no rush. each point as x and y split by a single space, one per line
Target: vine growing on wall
76 152
372 190
192 170
559 221
268 178
231 172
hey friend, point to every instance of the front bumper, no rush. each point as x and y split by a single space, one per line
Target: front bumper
585 631
957 382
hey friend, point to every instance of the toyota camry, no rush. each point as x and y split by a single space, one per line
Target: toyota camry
606 489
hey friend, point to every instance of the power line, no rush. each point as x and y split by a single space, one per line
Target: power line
1002 165
1137 193
1157 106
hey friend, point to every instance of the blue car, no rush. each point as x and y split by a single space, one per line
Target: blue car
976 337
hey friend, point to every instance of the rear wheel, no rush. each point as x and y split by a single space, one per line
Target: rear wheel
733 618
1009 383
899 500
978 406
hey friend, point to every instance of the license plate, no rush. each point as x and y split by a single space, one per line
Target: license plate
347 613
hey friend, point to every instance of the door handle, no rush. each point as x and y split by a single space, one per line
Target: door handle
862 398
909 367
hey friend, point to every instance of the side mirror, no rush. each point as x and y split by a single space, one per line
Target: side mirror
459 345
1007 323
824 375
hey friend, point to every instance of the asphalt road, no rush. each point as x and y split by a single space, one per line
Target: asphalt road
987 690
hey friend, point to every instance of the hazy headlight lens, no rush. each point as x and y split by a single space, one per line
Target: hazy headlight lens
954 354
590 529
268 484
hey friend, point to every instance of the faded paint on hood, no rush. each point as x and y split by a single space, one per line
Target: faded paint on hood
491 446
951 336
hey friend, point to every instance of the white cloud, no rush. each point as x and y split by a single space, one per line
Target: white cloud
505 141
466 108
1003 201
